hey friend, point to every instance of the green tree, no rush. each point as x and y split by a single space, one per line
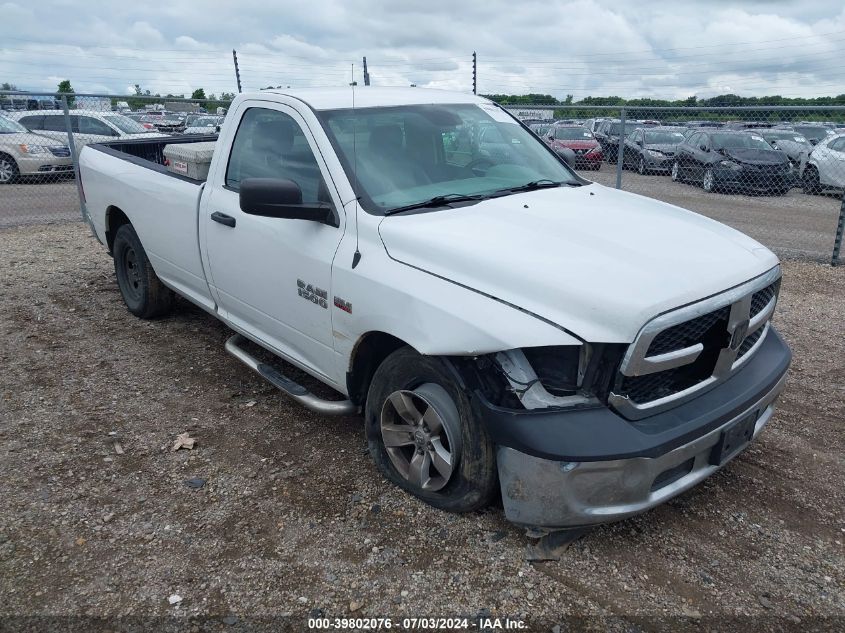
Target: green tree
7 86
199 93
66 88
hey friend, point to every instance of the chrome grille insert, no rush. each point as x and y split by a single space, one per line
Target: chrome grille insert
683 352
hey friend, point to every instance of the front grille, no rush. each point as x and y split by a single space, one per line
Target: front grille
61 152
688 333
674 357
748 342
761 298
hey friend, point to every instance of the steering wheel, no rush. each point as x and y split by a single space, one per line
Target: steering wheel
477 163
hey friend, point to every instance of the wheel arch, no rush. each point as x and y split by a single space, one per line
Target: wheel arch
115 218
370 350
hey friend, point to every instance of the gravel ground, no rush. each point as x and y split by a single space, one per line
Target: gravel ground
293 518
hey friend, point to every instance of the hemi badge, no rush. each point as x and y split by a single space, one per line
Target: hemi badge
343 305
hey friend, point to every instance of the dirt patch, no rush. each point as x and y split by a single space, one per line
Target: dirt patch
293 516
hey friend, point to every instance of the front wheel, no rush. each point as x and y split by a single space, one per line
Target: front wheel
424 437
709 181
9 172
142 290
810 182
641 168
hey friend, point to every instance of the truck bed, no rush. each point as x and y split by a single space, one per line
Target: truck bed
150 153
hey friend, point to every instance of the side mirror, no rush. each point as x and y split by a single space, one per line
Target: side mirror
568 155
703 148
282 198
639 142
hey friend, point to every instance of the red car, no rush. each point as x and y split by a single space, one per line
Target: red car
581 141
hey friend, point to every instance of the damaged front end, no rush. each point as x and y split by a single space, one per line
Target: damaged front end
567 458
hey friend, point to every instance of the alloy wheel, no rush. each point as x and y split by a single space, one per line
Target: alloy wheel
676 172
421 433
7 170
709 181
641 166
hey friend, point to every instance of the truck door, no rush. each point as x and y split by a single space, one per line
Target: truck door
272 276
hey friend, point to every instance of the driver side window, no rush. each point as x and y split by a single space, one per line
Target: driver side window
271 144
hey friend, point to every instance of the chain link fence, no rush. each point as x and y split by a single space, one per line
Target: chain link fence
776 173
41 136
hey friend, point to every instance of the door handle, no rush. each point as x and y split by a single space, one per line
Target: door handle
224 219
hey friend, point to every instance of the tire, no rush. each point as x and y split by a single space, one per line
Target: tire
9 172
425 385
641 170
708 182
143 293
810 182
675 174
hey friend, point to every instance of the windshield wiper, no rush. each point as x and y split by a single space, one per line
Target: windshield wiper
436 201
534 185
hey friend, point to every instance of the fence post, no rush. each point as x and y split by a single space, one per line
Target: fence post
620 152
75 158
837 241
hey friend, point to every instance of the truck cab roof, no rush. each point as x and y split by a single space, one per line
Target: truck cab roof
368 97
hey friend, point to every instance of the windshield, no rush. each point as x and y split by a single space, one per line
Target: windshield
572 134
739 141
206 121
125 124
630 126
664 138
812 131
785 135
11 127
404 155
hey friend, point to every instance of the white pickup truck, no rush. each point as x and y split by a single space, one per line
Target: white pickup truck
505 326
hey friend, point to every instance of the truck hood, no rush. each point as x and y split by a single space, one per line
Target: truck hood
596 261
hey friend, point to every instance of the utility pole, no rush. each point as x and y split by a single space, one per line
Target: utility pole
474 73
237 72
366 73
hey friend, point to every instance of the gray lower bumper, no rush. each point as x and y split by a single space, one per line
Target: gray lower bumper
555 494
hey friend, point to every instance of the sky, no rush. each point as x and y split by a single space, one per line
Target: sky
669 49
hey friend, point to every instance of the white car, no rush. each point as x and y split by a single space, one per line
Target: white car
506 326
88 126
824 168
204 125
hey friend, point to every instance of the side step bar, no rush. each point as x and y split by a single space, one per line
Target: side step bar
291 388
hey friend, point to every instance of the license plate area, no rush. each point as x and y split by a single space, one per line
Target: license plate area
733 439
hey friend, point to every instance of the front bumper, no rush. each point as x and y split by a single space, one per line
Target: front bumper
662 163
584 467
753 182
38 164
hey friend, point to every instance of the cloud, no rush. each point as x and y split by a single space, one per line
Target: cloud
579 47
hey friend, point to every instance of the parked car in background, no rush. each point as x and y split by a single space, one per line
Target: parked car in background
23 153
732 160
652 149
580 140
143 120
824 167
608 136
204 125
170 124
813 133
697 124
87 126
593 124
790 142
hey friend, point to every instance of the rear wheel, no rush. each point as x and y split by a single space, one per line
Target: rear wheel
9 172
424 437
676 172
142 290
810 181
